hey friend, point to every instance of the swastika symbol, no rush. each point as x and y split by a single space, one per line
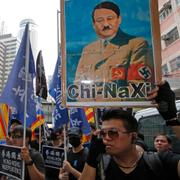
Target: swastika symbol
145 72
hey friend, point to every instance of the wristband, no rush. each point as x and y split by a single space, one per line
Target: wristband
173 122
96 148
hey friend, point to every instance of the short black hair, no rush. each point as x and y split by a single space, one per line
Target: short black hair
15 121
20 129
55 133
107 5
59 130
130 123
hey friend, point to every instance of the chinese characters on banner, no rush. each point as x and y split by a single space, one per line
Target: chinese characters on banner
53 157
10 161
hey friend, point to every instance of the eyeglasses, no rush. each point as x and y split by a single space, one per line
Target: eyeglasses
16 136
112 133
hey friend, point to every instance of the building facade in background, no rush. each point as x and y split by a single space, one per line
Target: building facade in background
2 56
9 46
169 15
8 49
33 34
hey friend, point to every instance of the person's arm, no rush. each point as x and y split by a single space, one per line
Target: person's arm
63 175
89 173
165 98
3 177
96 148
34 173
179 169
68 168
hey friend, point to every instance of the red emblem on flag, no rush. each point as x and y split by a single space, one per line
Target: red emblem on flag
118 73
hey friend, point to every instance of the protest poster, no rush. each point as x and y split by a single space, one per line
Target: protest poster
10 161
110 52
53 156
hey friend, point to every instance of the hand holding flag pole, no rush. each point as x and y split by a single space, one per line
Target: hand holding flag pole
26 88
26 81
19 86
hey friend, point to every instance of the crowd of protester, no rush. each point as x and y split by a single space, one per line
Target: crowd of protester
117 149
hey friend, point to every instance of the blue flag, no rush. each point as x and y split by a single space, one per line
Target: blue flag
14 92
78 119
60 113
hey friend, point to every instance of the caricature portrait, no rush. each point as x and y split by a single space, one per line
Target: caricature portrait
116 64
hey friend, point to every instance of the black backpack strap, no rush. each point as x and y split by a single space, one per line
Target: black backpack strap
104 160
85 153
154 163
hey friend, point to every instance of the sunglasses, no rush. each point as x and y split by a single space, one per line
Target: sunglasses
112 133
16 136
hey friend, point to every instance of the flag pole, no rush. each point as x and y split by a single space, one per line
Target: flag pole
40 138
45 135
65 142
25 97
40 135
26 83
58 46
58 51
8 121
96 118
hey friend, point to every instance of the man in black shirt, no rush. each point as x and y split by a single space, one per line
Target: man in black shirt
76 157
119 131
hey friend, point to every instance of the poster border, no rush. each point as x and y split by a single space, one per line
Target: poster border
156 45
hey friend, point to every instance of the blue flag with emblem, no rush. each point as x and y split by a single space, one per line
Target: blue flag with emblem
60 114
78 119
14 92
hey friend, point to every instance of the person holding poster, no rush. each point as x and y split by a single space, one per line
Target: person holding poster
118 135
57 137
115 60
76 157
34 163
